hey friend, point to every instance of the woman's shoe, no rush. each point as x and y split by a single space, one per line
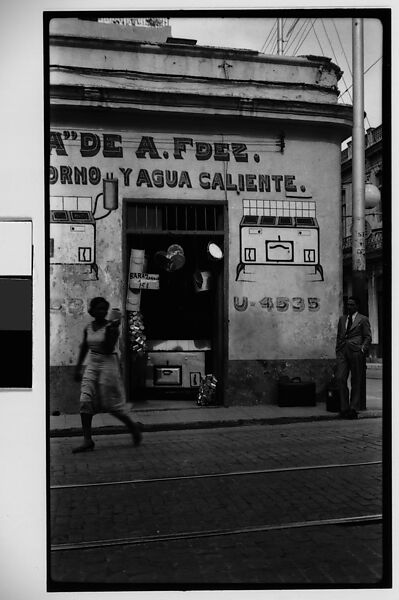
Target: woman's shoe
137 434
85 447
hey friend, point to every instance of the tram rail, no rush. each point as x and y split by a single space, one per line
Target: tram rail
215 475
150 539
364 519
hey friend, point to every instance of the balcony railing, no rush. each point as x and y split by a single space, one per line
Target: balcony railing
372 137
373 242
376 134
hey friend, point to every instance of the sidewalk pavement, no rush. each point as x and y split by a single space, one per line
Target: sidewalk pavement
164 415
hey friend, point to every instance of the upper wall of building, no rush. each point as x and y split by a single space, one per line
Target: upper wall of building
96 64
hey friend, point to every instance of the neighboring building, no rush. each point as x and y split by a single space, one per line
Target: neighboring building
135 21
374 255
194 145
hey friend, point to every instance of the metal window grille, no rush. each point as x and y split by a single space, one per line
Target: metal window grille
146 218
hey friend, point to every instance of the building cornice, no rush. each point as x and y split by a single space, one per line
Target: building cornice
200 104
114 45
146 78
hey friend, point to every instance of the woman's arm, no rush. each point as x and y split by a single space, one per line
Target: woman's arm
111 336
82 355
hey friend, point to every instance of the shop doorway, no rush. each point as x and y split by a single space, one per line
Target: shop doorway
183 320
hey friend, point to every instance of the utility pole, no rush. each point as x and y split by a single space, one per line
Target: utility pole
359 274
280 36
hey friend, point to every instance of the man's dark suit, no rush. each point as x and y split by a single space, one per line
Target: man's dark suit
351 351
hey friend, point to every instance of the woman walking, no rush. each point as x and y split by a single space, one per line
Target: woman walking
101 385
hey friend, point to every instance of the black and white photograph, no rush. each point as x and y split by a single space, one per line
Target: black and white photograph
216 281
209 265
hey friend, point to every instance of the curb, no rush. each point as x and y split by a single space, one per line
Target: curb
151 427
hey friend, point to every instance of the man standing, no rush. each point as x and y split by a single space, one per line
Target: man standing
353 341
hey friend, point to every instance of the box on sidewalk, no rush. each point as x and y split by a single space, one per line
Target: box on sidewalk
295 392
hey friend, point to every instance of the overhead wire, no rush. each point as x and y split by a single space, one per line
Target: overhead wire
290 33
336 61
285 21
300 44
347 62
283 26
270 34
291 29
302 33
342 47
329 41
372 65
272 40
305 36
298 33
267 39
366 71
272 43
334 55
317 38
343 79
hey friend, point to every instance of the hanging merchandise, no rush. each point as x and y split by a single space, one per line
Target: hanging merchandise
137 265
137 337
175 255
202 280
207 391
171 260
161 260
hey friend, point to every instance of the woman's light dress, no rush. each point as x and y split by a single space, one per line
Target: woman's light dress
102 388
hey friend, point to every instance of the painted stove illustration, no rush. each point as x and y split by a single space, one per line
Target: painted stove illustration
72 237
279 233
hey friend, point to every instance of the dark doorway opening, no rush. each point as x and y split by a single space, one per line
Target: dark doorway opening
183 319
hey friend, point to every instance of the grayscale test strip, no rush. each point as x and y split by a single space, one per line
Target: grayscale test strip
16 312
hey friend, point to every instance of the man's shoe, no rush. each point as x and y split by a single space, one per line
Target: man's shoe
344 414
85 447
352 414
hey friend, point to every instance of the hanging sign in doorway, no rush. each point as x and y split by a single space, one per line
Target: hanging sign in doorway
144 281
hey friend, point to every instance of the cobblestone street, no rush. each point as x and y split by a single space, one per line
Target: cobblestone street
223 507
315 556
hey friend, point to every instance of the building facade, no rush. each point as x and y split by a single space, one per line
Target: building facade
198 190
373 230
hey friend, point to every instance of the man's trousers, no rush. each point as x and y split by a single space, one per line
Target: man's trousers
351 362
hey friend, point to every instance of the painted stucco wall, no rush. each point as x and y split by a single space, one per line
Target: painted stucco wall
161 164
279 311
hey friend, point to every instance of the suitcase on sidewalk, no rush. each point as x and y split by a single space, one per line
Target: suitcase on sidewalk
295 392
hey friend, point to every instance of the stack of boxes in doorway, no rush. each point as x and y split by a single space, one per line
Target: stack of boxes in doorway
137 337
